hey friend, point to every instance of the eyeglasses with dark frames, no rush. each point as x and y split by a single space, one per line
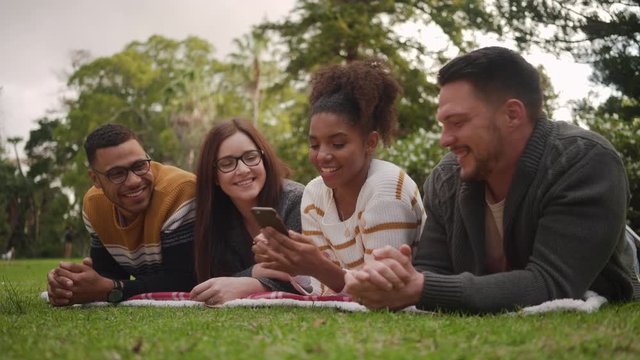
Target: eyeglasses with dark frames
229 163
119 174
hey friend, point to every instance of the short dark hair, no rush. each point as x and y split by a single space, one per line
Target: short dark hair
497 73
107 135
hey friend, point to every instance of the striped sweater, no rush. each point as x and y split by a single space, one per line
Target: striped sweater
157 247
389 211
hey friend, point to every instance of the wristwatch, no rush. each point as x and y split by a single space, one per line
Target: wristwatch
116 294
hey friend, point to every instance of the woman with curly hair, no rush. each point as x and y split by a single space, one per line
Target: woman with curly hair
358 203
237 170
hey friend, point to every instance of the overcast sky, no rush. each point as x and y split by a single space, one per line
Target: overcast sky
37 37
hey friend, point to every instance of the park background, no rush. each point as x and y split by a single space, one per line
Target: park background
172 88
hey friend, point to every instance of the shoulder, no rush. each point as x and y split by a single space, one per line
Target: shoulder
95 201
315 190
444 179
568 135
315 185
291 187
168 177
569 145
386 178
291 191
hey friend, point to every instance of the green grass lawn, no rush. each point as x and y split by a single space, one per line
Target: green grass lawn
31 329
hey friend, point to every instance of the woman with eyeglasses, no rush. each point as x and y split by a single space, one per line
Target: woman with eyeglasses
238 170
358 203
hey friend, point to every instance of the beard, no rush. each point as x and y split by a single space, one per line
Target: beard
480 171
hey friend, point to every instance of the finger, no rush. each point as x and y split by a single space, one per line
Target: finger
55 291
362 276
273 265
270 255
202 295
58 301
359 281
299 238
389 252
195 292
65 277
378 281
87 262
259 239
73 267
277 241
261 254
405 250
260 248
382 276
402 273
57 280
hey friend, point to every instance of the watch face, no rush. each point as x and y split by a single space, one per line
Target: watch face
115 295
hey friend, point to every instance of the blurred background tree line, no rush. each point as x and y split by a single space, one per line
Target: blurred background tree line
172 91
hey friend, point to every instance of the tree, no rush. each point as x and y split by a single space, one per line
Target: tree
318 33
159 88
605 34
49 204
334 31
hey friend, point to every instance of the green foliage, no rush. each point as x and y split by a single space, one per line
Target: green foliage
602 33
418 153
622 129
160 88
172 92
43 332
318 33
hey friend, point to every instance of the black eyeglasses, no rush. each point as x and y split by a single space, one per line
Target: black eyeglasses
119 174
229 163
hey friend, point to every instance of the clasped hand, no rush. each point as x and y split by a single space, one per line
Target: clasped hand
72 283
388 281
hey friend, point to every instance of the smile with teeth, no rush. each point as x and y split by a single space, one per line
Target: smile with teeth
328 170
134 193
245 182
460 152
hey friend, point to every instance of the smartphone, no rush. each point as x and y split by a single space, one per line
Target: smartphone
267 216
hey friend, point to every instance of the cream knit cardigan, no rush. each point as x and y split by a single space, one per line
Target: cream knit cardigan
389 211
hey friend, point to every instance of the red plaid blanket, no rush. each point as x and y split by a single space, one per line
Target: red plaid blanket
177 296
286 295
162 296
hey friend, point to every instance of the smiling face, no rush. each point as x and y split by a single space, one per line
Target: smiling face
470 129
244 183
339 151
133 196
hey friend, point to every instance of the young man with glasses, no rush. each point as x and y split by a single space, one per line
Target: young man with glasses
140 217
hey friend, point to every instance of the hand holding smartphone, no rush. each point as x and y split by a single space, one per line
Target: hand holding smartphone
267 216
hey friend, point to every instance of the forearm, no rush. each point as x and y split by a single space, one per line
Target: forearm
482 294
329 274
269 284
175 274
104 264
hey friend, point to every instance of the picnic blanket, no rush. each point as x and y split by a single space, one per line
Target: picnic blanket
591 302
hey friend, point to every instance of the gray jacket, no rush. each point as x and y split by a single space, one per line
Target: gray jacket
564 226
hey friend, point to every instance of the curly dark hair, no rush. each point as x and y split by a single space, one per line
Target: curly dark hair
365 92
